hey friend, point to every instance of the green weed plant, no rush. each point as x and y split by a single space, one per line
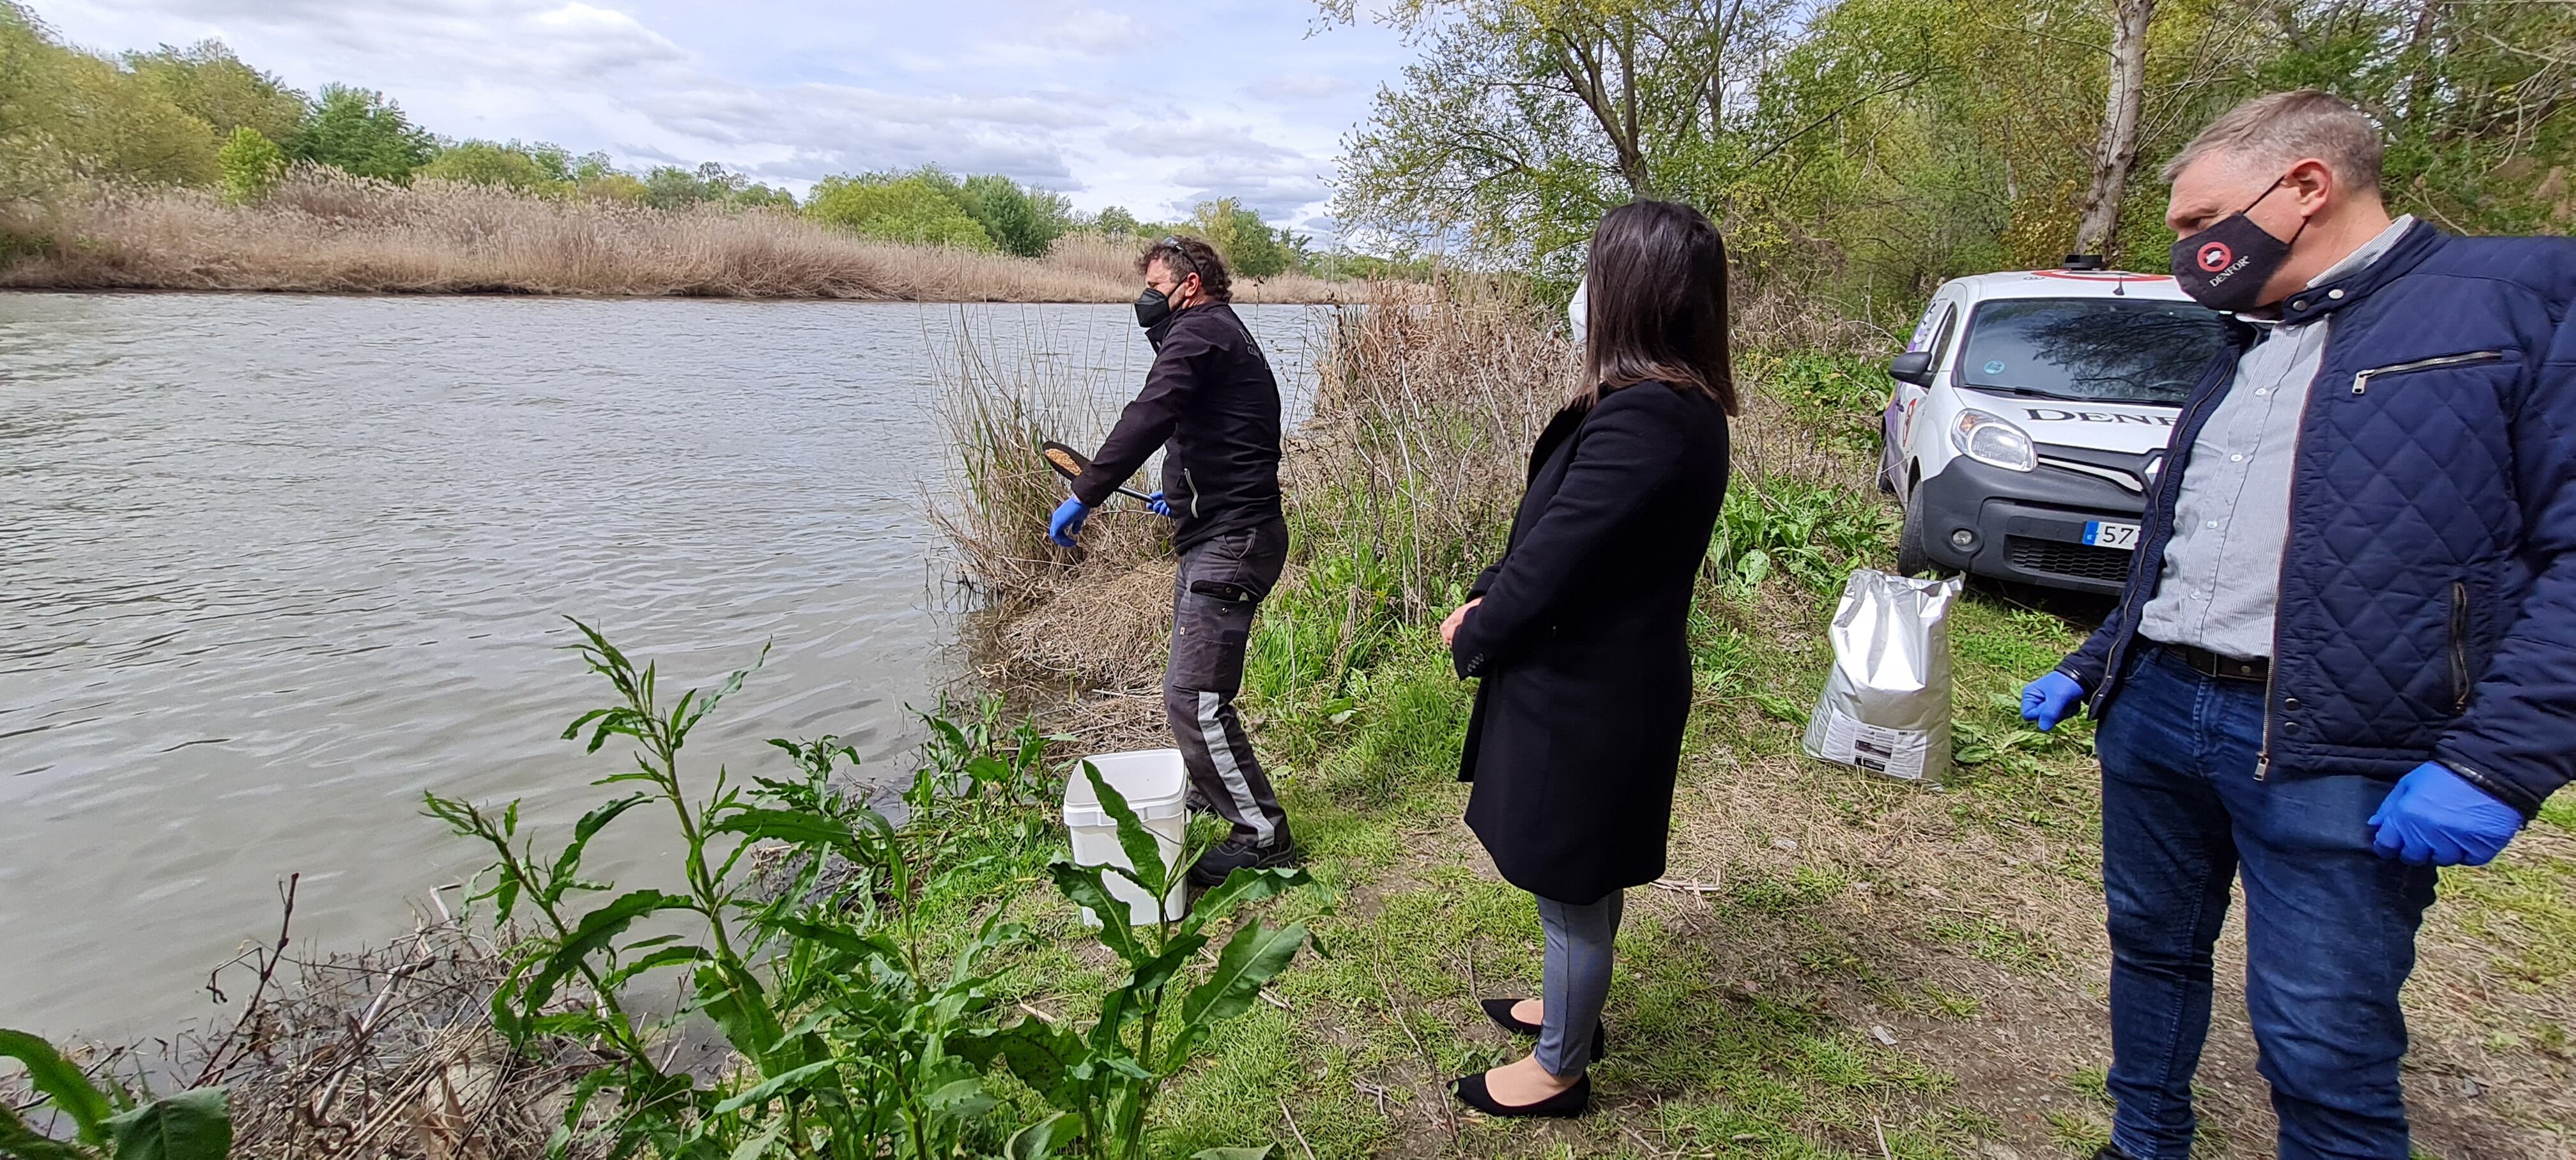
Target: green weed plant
859 1027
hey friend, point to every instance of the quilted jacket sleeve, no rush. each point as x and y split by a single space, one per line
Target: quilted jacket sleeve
2087 664
2513 741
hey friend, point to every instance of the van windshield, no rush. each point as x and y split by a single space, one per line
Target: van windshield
2115 350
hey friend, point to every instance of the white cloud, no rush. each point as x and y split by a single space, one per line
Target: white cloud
1118 103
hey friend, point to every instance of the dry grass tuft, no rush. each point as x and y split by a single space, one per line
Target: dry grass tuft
323 231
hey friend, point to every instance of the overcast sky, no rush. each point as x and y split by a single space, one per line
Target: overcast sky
1149 106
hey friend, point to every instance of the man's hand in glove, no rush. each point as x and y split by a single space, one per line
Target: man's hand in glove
1067 522
2433 818
2049 700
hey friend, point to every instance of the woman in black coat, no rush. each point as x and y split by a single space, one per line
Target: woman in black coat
1579 633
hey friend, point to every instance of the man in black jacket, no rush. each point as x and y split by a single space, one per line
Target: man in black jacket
1212 405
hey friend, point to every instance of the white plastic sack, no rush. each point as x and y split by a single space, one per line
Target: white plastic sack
1886 705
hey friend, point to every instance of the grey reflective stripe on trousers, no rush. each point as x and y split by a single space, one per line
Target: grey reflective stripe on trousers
1238 789
1210 631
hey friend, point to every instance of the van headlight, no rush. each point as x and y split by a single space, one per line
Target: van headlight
1993 439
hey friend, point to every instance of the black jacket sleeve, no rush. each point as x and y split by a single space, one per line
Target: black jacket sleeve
1180 370
1630 445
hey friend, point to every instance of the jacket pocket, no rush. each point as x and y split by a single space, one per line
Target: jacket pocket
2459 646
2361 380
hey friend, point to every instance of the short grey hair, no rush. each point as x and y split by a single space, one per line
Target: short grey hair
2284 128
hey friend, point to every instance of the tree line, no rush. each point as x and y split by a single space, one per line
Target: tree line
199 116
1870 148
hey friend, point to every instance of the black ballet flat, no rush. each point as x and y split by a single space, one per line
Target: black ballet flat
1500 1011
1564 1105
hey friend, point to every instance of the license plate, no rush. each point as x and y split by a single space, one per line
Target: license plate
2108 535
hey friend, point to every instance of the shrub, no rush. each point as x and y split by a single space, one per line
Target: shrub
252 165
358 131
916 208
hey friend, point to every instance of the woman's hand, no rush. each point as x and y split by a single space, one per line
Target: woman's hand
1449 627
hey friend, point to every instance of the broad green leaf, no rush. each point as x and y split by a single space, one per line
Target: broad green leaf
666 957
776 1085
588 827
1245 885
795 827
1144 851
192 1125
753 1148
597 931
1040 1140
1151 974
741 1010
59 1080
962 1099
1082 884
1037 1053
1253 957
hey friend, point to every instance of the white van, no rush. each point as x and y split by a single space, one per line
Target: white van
2030 416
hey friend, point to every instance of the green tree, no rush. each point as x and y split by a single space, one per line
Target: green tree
1020 219
206 81
539 168
1250 246
1116 222
63 111
919 207
359 131
251 164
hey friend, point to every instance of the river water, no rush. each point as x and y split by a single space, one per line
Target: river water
270 567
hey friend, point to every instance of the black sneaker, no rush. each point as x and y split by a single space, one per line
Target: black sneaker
1239 853
2110 1153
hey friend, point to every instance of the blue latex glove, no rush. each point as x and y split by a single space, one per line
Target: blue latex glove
1067 522
1154 503
2433 818
2050 699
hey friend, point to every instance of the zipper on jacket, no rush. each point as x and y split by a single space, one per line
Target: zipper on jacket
1193 485
2272 675
2361 379
2459 646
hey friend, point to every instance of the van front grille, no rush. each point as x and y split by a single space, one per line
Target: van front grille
2059 558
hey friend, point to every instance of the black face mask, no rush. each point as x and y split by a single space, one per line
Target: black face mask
2226 266
1152 307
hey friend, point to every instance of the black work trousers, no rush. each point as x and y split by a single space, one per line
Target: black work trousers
1215 592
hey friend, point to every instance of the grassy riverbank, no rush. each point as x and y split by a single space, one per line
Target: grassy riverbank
324 232
1835 966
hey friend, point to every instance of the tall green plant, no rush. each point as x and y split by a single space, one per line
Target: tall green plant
108 1122
1104 1080
822 985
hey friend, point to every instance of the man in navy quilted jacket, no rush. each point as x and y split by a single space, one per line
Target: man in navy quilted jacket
2346 654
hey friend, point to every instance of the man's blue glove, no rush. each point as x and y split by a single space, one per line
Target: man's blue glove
2049 700
2433 818
1067 522
1154 503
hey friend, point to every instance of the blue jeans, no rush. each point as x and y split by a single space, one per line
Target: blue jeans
2329 924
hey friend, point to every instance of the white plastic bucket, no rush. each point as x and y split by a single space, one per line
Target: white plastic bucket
1156 786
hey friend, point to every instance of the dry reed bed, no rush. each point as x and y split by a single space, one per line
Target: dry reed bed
325 232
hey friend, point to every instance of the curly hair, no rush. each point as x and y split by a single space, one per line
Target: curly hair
1187 255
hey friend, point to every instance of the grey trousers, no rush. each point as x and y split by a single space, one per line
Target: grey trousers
1578 979
1216 590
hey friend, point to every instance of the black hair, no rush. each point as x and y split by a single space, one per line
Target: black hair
1188 255
1657 309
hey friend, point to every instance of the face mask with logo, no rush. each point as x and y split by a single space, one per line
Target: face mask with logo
1578 311
2226 266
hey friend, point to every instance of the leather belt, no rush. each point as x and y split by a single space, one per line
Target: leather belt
2210 664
